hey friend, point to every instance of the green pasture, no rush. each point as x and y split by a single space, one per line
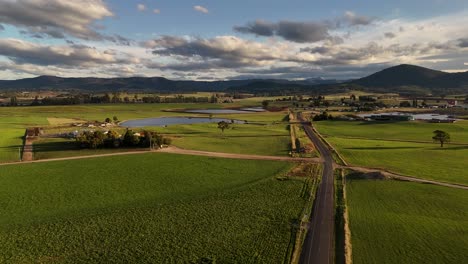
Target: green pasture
268 139
402 147
403 131
148 208
403 222
424 160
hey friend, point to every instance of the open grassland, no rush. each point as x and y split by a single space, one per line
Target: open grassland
400 131
13 120
403 222
10 143
423 160
272 139
155 208
403 147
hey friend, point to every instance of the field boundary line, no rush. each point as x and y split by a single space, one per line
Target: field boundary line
347 230
305 222
78 157
176 150
400 140
396 176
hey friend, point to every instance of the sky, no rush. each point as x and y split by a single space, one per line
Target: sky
220 40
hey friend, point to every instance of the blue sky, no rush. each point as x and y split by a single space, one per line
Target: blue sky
229 39
178 17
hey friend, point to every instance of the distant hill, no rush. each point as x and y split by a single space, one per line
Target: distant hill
152 84
159 84
404 79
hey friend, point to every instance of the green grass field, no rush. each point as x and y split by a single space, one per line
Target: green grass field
410 131
402 222
272 139
147 208
391 147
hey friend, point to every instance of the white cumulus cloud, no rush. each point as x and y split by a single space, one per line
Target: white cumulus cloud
55 18
141 7
201 9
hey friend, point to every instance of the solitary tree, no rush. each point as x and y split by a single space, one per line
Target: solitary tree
115 119
441 137
223 125
108 120
265 103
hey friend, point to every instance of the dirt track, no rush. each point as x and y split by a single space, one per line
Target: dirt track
404 178
75 158
27 154
176 150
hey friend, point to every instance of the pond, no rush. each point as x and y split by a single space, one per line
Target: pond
246 110
166 121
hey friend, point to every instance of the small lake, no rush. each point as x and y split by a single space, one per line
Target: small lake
246 110
167 121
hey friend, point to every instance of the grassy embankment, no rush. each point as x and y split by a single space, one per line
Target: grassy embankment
149 207
401 147
403 222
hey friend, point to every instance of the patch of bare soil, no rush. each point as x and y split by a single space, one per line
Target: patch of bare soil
28 150
303 169
373 175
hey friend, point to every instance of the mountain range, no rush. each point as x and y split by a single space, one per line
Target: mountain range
405 79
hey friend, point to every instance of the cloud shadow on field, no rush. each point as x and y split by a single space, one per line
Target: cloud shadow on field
448 147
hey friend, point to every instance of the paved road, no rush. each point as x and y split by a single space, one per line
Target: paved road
318 247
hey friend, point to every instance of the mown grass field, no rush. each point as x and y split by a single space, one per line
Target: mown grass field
403 147
157 208
403 222
410 131
269 139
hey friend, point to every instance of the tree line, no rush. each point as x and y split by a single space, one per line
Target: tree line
111 99
130 139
